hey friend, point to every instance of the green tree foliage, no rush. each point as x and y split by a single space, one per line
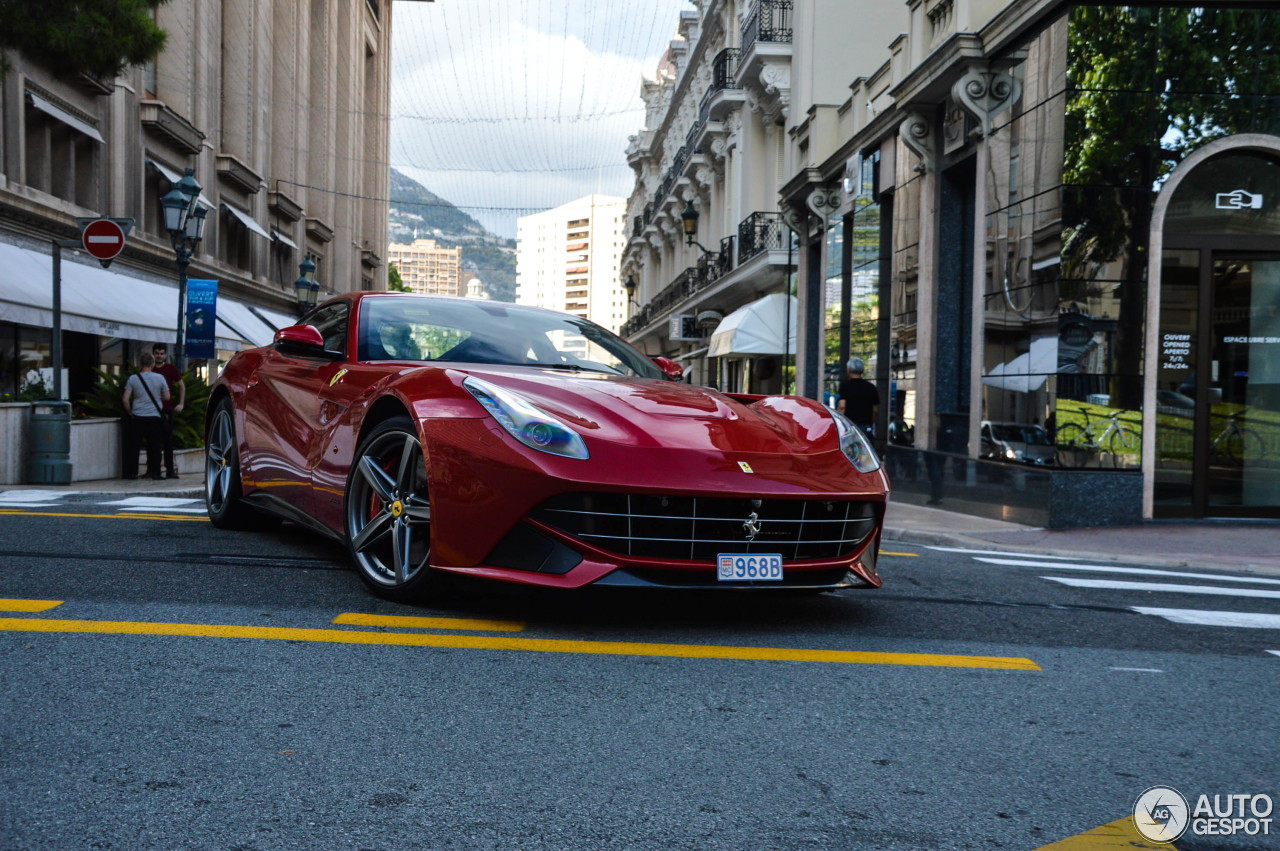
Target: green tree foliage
863 328
96 37
1146 87
394 282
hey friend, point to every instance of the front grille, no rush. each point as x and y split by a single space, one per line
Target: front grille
700 528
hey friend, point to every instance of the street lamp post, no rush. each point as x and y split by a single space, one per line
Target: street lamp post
308 291
184 220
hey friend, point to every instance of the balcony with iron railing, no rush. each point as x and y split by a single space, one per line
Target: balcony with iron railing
724 78
769 22
758 233
709 268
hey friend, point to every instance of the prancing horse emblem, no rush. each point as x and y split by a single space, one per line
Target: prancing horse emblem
752 525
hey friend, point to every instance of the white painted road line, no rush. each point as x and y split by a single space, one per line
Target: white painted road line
163 508
32 498
1113 585
153 501
995 553
1137 571
1139 670
1199 617
1275 652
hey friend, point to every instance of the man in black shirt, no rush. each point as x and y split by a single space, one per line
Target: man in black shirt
859 399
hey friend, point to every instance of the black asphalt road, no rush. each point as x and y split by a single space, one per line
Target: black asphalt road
291 741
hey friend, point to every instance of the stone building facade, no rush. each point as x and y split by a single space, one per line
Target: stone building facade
279 107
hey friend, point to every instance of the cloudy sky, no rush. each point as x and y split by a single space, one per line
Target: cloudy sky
508 107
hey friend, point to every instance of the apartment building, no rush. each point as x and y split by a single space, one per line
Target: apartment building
428 268
567 259
280 110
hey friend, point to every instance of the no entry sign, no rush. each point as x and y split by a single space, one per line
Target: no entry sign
103 238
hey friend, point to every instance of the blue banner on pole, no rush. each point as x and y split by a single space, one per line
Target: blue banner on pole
202 317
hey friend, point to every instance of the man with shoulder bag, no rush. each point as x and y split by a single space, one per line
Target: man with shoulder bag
144 396
178 393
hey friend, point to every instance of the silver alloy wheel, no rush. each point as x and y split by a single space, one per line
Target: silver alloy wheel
388 512
220 460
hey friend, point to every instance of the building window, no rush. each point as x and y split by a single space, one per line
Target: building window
235 242
61 156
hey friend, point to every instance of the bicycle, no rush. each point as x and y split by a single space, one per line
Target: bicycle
1113 439
1235 443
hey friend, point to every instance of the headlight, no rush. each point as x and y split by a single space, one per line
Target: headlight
531 426
855 446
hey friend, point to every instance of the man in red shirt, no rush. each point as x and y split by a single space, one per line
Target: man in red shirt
177 398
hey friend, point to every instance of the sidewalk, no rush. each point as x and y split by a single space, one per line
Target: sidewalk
1245 546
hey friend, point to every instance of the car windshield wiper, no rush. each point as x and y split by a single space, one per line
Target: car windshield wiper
572 367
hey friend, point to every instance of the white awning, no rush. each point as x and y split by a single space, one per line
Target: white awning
94 300
245 322
65 117
246 220
274 319
173 177
756 329
280 237
1028 371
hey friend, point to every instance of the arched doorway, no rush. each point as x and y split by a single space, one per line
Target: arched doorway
1213 347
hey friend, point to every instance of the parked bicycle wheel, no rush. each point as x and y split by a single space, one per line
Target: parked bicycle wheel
1121 443
1241 444
1073 444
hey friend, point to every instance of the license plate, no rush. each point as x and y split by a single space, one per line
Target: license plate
766 567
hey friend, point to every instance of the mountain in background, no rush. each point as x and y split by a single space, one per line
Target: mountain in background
419 213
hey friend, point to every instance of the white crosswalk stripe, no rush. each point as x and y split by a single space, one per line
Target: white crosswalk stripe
166 504
1134 571
32 498
1198 617
1223 585
1117 585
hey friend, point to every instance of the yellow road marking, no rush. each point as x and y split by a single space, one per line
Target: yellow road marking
28 605
887 553
130 516
357 619
540 645
1117 834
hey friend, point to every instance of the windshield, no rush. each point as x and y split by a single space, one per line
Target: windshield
439 330
1030 434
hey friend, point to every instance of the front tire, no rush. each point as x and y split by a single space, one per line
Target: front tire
223 495
388 513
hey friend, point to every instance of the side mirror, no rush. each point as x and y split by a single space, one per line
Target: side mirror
303 341
670 368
